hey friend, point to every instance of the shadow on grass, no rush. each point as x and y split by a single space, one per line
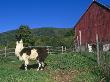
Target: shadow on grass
33 66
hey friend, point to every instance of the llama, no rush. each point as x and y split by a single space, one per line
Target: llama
26 54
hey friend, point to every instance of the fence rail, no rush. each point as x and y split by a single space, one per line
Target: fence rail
51 50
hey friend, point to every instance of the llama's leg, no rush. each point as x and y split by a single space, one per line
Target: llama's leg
42 65
39 65
26 64
25 58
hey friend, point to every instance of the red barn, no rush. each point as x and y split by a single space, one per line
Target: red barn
95 21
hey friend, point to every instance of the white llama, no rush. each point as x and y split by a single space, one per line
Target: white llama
26 54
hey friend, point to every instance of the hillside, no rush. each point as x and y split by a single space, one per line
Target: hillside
50 31
40 34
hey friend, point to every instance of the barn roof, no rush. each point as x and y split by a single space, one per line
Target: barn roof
97 3
102 5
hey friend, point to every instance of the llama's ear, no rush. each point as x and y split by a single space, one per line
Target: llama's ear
20 37
21 41
16 37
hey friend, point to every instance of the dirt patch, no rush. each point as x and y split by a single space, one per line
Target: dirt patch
64 76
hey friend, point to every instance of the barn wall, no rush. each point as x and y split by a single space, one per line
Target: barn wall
96 20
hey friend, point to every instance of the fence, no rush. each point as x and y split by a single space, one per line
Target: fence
6 51
104 57
51 50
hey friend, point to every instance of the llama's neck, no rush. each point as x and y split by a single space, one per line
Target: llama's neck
19 47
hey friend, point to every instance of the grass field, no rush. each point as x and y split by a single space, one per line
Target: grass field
68 67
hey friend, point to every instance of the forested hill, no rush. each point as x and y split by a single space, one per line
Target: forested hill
51 31
41 35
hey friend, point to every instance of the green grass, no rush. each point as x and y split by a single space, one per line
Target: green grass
70 67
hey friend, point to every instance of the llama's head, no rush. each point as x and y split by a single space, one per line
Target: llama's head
19 46
19 42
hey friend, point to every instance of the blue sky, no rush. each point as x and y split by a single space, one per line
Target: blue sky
42 13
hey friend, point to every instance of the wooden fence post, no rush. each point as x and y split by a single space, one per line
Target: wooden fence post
65 49
98 54
5 51
62 49
48 50
80 39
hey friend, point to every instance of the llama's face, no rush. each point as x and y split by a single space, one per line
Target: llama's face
19 42
19 47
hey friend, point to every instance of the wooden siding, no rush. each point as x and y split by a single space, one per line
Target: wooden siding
96 20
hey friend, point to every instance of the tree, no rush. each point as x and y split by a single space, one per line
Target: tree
25 32
71 32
